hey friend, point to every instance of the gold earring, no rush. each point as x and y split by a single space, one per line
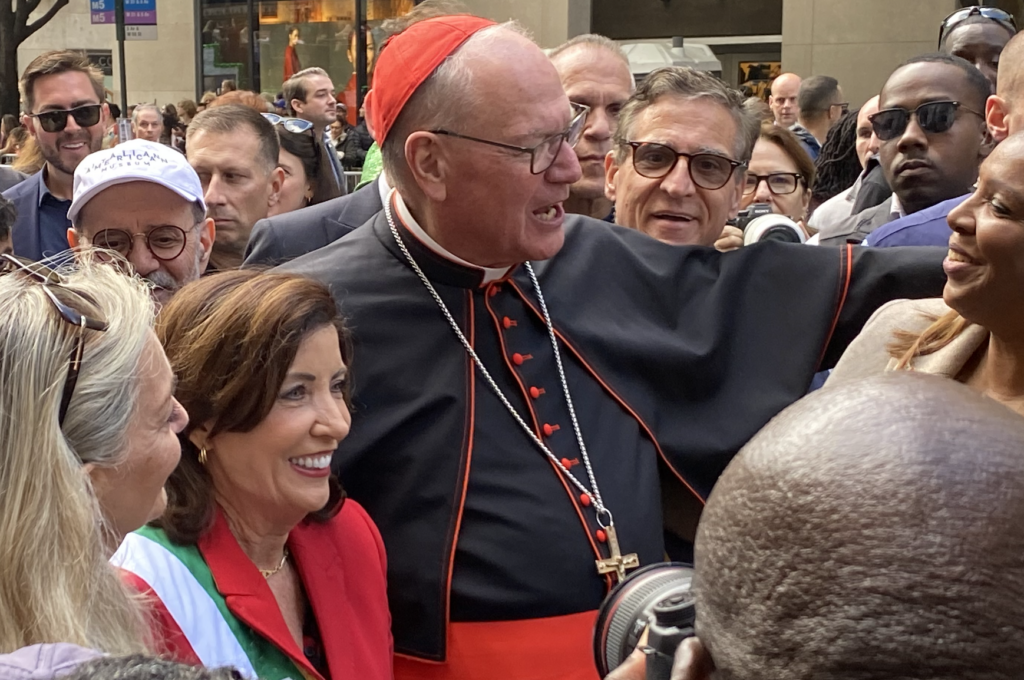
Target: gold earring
202 456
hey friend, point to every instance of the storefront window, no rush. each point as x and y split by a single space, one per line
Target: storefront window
289 35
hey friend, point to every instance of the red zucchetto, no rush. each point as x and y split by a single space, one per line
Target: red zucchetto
410 58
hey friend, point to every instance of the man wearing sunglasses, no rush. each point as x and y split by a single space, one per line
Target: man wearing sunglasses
932 138
62 93
144 201
525 373
978 34
1004 116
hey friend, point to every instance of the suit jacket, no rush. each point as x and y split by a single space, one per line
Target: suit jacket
276 240
341 564
9 177
928 227
855 228
869 354
25 234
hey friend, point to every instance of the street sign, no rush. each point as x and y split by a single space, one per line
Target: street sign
101 11
139 32
140 12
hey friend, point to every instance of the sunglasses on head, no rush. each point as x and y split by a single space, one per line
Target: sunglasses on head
1004 19
933 117
57 120
296 125
51 281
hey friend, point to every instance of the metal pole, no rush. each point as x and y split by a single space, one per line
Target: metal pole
119 18
360 27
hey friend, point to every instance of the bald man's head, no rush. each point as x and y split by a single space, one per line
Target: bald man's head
1004 111
872 530
783 99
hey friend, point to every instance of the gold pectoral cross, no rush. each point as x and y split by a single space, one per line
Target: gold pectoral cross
617 563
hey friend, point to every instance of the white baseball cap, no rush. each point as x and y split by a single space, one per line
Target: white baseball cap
136 161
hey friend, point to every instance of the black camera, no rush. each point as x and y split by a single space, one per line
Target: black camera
656 598
759 223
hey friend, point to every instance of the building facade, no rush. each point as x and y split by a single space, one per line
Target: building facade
199 43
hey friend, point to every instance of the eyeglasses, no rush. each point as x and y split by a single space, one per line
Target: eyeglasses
933 117
707 170
51 280
845 106
1004 19
296 125
165 243
544 154
56 121
779 183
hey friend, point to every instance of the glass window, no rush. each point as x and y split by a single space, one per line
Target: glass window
289 35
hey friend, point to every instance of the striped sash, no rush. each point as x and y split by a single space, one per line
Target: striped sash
181 579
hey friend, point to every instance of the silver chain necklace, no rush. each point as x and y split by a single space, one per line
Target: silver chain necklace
617 563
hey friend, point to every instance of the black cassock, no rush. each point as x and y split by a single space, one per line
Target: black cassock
674 356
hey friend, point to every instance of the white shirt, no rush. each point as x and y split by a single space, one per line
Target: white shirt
490 273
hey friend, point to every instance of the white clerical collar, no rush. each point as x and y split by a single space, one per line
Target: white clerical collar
490 274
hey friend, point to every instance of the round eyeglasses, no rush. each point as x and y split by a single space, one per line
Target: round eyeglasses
707 170
164 243
779 183
542 156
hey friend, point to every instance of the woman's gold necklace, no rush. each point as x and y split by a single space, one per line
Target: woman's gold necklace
267 573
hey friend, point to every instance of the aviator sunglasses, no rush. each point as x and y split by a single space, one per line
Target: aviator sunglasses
1004 19
57 120
933 117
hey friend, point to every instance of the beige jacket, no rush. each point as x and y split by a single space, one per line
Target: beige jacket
869 355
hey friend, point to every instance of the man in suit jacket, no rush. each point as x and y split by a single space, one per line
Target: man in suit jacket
276 240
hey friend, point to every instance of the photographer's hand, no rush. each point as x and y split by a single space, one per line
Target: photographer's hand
692 662
731 239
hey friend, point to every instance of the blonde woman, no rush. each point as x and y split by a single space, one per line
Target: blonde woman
88 436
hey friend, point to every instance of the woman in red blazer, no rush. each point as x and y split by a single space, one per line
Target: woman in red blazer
259 562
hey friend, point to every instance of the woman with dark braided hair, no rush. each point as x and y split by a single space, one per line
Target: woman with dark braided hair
840 166
837 165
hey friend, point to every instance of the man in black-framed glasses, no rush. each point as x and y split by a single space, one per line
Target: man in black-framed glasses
66 114
144 201
676 171
932 138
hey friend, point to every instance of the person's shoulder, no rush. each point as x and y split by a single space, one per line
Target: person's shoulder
924 227
28 186
869 353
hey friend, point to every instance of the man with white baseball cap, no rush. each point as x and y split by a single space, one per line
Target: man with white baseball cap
144 201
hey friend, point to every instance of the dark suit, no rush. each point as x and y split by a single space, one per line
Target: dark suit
276 240
40 229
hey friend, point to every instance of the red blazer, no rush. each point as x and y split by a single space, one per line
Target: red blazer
343 569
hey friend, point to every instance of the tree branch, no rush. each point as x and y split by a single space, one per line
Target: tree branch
42 21
30 5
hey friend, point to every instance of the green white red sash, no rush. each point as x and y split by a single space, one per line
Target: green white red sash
180 578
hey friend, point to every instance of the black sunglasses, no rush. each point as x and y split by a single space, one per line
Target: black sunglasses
50 280
1004 19
933 117
707 170
544 154
56 121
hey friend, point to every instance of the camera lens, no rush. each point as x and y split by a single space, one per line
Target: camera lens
630 608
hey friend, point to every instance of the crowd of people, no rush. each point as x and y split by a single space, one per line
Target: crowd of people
254 425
